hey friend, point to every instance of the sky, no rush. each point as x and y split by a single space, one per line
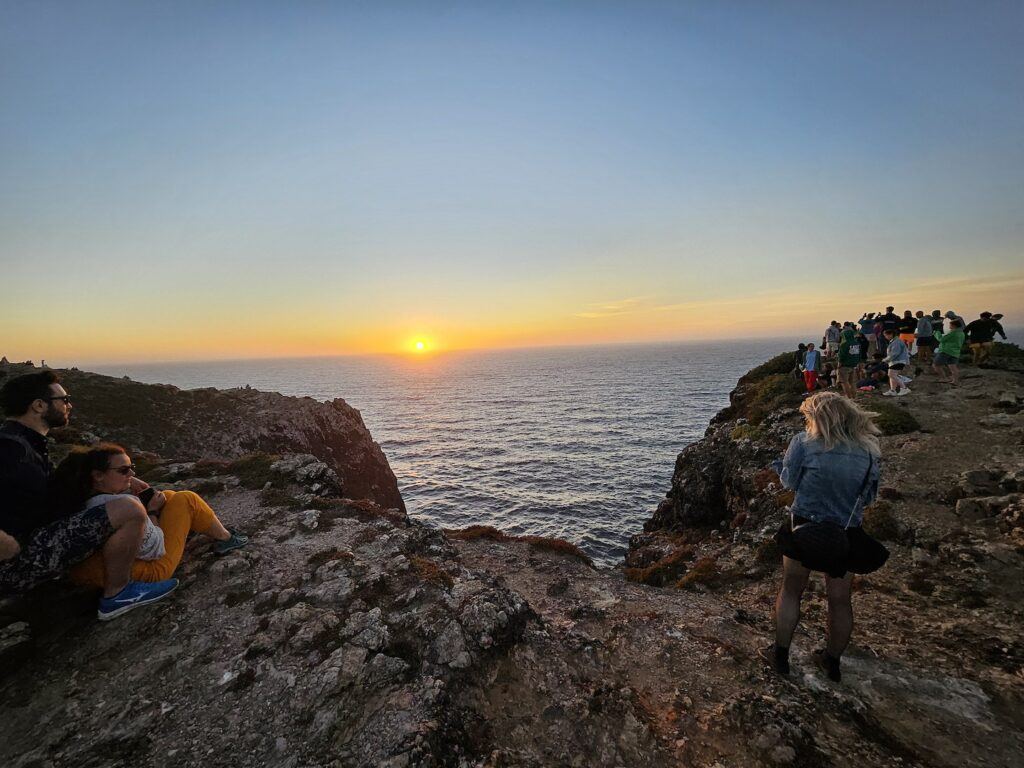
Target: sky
223 180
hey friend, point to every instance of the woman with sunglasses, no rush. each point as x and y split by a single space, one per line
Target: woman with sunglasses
95 475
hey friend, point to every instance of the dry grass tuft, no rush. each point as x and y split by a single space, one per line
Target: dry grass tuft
329 555
704 571
276 497
431 572
660 573
561 546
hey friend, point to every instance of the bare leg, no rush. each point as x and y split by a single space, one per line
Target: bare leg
840 614
954 373
128 518
787 604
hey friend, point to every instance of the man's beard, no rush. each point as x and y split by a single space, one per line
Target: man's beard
54 417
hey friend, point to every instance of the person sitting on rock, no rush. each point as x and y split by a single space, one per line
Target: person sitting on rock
833 469
105 471
872 381
37 545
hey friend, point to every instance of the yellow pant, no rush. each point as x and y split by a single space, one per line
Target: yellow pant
184 511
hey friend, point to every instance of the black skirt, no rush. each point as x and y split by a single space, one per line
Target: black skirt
830 548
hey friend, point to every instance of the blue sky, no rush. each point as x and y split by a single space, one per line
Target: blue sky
273 178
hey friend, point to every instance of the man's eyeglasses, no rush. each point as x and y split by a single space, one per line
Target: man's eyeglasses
124 470
65 398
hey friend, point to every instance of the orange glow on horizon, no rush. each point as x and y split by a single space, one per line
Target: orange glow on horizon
80 337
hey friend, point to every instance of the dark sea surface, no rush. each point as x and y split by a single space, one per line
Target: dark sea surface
577 443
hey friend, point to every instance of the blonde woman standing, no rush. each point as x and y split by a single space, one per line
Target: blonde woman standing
833 469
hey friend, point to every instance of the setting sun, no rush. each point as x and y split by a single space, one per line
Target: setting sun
420 346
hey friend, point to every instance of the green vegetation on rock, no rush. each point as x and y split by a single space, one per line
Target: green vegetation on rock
253 471
771 393
893 419
781 363
747 432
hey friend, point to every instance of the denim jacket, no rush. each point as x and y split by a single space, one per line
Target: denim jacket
828 483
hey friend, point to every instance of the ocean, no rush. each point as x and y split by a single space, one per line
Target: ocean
577 443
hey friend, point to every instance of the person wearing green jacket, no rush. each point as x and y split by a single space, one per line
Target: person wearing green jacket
948 356
849 358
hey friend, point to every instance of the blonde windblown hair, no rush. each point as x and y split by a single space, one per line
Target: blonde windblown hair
836 420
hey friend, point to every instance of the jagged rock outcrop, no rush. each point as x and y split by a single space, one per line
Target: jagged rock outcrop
950 511
224 424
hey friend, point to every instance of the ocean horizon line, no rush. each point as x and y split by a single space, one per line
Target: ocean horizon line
783 338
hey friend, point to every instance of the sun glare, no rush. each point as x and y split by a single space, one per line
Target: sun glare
420 346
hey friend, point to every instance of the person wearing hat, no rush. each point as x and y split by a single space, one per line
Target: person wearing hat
951 316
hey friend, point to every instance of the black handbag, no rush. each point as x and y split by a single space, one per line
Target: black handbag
832 548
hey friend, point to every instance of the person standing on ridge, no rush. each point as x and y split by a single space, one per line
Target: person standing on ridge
798 361
879 328
890 320
950 346
907 326
981 335
897 356
925 338
833 468
867 327
831 340
950 317
811 367
849 360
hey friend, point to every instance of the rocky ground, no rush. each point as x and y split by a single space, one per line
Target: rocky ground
344 635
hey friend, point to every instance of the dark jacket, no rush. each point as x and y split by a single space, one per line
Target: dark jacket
25 471
982 330
888 320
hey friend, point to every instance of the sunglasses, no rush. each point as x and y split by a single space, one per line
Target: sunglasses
123 470
65 398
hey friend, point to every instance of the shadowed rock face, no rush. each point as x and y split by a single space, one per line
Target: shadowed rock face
225 424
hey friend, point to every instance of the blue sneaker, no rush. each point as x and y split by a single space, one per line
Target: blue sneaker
136 593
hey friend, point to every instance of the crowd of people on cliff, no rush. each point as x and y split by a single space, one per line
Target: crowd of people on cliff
833 466
90 517
875 352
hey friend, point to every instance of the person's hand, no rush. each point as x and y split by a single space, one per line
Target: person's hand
156 503
9 546
137 486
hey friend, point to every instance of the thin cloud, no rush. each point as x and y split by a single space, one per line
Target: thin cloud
615 308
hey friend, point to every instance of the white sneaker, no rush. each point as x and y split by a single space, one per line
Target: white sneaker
890 393
903 392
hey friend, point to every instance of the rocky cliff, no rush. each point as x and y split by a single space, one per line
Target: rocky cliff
346 635
227 424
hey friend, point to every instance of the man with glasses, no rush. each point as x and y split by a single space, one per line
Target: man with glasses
35 544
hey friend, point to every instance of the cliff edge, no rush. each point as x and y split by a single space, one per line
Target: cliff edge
193 424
